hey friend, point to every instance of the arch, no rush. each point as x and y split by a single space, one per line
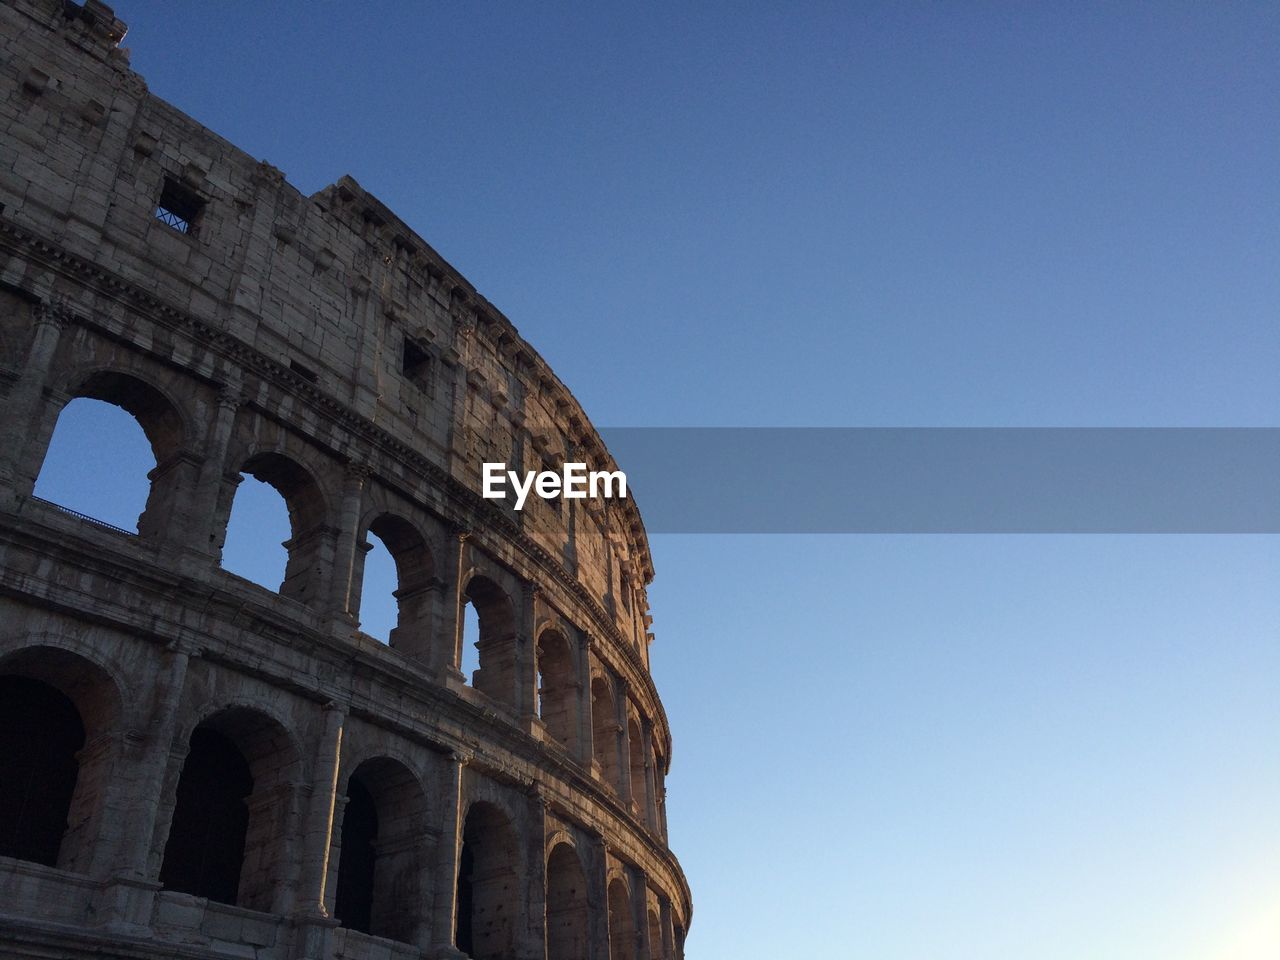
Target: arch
227 837
604 731
90 685
488 884
659 784
371 599
254 542
171 476
622 923
205 852
41 734
557 687
310 545
415 576
59 716
158 414
379 862
568 919
636 766
469 654
496 676
657 949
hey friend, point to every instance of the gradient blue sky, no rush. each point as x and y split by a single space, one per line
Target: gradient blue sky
892 748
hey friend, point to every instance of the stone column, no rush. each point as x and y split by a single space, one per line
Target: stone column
531 936
448 850
586 748
149 758
526 657
275 847
414 634
98 805
438 630
16 474
355 592
452 659
406 856
598 899
344 565
621 700
570 552
166 519
668 936
205 521
650 787
640 911
318 818
420 847
34 444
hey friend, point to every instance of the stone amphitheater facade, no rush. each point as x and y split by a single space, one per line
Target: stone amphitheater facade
195 766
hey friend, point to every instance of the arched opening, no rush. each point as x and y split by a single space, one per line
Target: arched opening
679 942
257 531
557 688
40 735
114 456
354 901
230 830
622 924
96 440
395 593
378 857
604 731
568 927
378 609
58 716
636 744
495 646
657 949
488 889
205 852
470 656
255 521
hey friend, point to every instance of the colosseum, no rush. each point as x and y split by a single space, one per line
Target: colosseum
192 765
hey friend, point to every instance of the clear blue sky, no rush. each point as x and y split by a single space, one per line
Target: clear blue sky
891 748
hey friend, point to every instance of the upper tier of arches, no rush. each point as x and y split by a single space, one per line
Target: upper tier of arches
543 649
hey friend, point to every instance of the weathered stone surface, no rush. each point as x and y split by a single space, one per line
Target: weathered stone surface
318 344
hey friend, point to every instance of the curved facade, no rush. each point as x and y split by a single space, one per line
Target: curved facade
192 765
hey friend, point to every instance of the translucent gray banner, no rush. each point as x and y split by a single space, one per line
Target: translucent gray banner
952 480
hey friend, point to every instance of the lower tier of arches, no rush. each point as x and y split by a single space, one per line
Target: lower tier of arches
150 792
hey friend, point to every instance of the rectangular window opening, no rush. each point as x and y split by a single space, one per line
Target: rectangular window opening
179 207
306 373
415 363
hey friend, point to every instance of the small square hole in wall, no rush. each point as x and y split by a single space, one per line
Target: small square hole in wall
179 207
415 363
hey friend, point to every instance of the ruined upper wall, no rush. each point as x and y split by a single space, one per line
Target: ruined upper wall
334 287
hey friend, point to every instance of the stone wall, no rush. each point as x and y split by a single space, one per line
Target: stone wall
317 344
